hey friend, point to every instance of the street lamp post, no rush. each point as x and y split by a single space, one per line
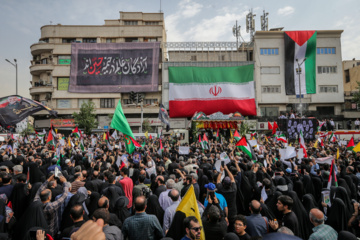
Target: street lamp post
15 65
298 71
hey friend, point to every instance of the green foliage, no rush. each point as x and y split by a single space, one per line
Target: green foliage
28 130
356 96
86 118
146 126
245 127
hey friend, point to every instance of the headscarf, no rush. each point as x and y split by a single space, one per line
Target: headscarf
154 208
135 176
308 185
231 236
33 217
309 202
121 210
342 194
317 187
337 218
19 199
66 220
35 187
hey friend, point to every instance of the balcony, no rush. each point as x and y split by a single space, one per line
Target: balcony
41 47
41 89
36 68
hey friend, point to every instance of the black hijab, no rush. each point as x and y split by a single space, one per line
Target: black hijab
33 217
308 185
154 208
337 218
309 202
19 199
121 210
345 235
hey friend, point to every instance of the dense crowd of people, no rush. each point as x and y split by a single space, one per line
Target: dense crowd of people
103 192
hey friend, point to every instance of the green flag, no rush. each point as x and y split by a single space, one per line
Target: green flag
120 123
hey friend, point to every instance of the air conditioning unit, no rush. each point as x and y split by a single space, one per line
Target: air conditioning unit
48 96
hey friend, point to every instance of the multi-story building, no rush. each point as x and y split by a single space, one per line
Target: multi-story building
269 76
50 68
351 76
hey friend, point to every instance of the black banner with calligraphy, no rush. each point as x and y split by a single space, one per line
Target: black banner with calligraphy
14 109
114 67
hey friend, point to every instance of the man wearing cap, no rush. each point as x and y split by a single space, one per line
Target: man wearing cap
211 188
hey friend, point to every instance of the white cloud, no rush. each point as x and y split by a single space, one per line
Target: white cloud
349 38
285 11
189 8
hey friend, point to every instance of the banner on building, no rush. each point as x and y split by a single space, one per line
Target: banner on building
15 108
211 89
300 62
60 123
114 67
307 125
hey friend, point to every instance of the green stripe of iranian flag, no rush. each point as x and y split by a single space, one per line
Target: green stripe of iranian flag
308 71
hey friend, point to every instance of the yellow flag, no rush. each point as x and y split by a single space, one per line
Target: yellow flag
231 136
357 148
69 142
189 207
104 136
316 144
337 154
290 145
146 134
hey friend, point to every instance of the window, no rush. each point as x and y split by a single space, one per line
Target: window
63 103
327 69
110 40
131 22
269 111
107 103
89 40
63 83
222 58
271 89
329 89
44 40
81 101
269 51
64 60
127 101
131 39
325 50
149 39
68 40
347 76
193 58
270 70
150 101
325 111
151 23
36 97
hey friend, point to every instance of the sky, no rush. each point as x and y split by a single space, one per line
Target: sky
185 21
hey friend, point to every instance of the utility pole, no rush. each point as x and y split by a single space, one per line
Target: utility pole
236 33
264 21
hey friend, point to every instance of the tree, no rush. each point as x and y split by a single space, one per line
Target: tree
146 125
356 96
86 117
28 130
245 127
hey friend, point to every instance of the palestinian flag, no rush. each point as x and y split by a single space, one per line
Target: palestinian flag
275 126
217 135
281 138
302 144
332 138
237 136
76 132
50 140
270 127
205 141
332 176
82 144
300 45
244 146
211 89
350 146
120 123
41 134
319 127
253 135
187 207
143 144
161 148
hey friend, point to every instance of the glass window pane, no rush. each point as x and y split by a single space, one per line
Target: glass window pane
272 51
333 50
318 50
326 51
261 51
276 51
322 51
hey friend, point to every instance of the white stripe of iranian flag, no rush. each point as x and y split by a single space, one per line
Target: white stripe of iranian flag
213 91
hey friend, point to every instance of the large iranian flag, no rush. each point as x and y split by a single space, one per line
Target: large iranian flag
211 89
300 45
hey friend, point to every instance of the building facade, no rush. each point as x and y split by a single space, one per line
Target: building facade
50 68
269 76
